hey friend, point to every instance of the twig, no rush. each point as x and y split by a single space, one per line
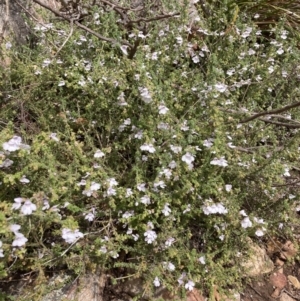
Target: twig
275 111
57 13
288 125
66 40
154 18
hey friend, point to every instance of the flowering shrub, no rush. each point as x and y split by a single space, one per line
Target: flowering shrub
163 164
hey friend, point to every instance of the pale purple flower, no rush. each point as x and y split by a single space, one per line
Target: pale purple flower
46 205
14 144
146 96
141 187
98 154
169 242
135 237
14 228
20 240
156 282
148 147
189 285
221 87
111 191
28 207
172 164
128 214
17 204
6 163
94 187
150 236
71 236
188 158
208 143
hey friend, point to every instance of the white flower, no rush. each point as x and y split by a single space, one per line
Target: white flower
172 164
169 242
1 250
98 154
221 87
271 69
124 49
70 236
17 204
287 172
114 254
128 192
148 147
162 109
202 259
181 278
160 184
167 172
189 285
246 32
188 158
221 237
260 232
156 282
128 214
169 266
188 208
54 137
231 145
243 213
6 163
90 216
94 187
8 45
246 223
280 51
24 180
211 208
46 63
20 240
61 83
167 210
228 187
150 236
145 200
139 135
146 97
208 143
220 162
112 182
28 207
111 191
103 249
141 187
175 149
14 144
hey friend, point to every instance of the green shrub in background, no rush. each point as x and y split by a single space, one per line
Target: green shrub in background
157 164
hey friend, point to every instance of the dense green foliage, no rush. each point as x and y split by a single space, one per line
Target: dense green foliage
152 159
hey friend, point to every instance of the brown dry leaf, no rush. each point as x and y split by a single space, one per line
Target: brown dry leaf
194 295
295 282
278 280
216 294
273 246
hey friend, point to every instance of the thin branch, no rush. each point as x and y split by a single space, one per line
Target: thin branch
120 7
66 40
154 18
275 111
288 125
57 13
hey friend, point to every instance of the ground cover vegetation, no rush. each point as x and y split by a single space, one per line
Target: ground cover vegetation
158 151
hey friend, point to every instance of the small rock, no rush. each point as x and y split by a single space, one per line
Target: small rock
258 263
